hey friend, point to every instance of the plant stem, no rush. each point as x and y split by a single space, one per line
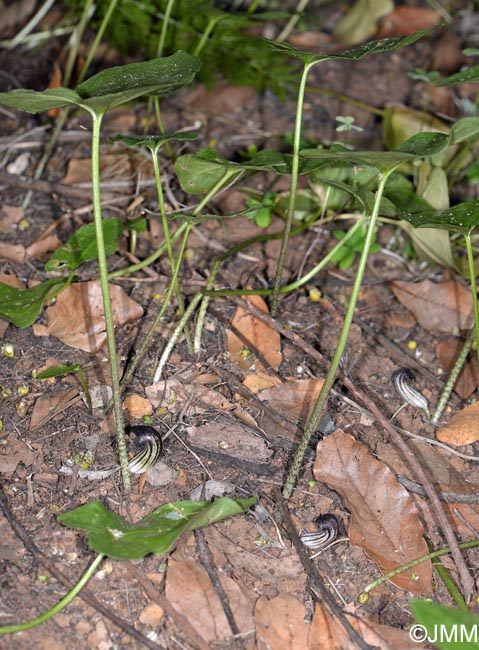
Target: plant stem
174 266
293 186
291 24
146 341
105 290
99 35
175 335
453 375
419 560
21 627
331 374
472 278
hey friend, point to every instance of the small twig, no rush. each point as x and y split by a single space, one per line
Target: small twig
448 497
207 562
87 596
316 586
467 581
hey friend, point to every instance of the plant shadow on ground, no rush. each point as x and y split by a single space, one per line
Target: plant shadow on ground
204 394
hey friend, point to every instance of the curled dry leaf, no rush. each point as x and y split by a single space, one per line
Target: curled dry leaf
462 428
384 520
280 623
327 632
258 334
189 590
77 317
444 307
294 398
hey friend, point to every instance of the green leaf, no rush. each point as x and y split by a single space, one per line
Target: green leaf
448 629
464 130
166 75
462 218
250 213
58 371
471 75
33 101
383 160
110 534
355 53
82 245
198 173
424 144
22 306
153 142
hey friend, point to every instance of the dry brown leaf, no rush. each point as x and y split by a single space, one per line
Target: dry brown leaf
447 351
280 623
444 307
13 252
406 20
385 521
111 165
42 246
47 407
260 336
10 215
230 439
137 406
327 632
261 380
293 398
77 317
9 462
443 476
189 590
462 428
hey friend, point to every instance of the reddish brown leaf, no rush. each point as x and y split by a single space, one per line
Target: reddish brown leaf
258 334
441 307
295 397
77 317
280 623
447 351
385 521
406 20
189 591
327 632
462 428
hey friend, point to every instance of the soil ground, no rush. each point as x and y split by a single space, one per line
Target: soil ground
249 550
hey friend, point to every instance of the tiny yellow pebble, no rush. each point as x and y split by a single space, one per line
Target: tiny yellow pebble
8 350
363 598
412 345
23 389
315 294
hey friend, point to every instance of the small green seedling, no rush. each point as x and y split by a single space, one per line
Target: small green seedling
344 258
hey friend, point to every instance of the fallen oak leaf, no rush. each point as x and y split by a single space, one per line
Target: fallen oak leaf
260 335
441 307
462 429
385 522
77 318
189 590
